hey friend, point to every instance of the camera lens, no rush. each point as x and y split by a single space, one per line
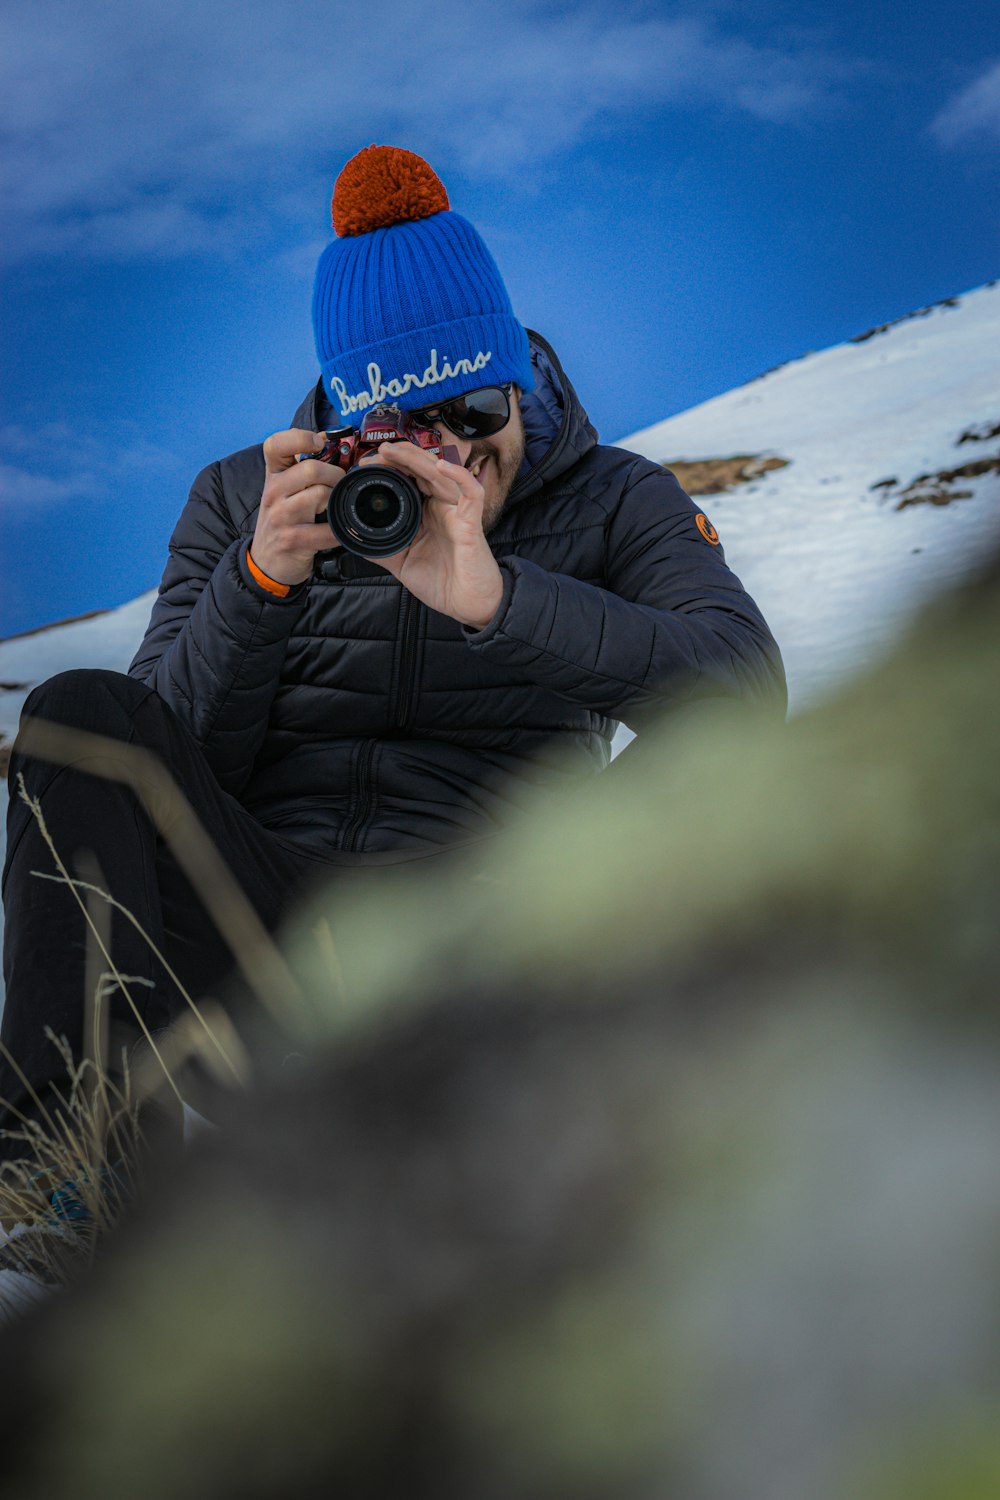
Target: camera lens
376 508
374 511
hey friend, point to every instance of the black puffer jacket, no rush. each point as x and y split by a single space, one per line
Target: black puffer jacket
350 715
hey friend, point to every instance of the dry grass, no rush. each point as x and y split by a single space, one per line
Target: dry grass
67 1150
88 1147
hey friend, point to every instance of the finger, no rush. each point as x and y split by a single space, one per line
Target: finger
459 473
436 476
449 490
409 457
281 449
308 471
312 536
298 505
321 537
406 451
466 485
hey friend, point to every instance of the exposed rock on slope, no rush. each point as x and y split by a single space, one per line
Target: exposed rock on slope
710 476
933 489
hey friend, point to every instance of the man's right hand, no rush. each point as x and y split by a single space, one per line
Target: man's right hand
288 533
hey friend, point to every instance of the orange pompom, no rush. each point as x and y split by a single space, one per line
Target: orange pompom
385 185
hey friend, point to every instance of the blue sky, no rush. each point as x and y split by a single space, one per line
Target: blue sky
679 196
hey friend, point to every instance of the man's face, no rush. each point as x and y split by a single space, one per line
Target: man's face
498 458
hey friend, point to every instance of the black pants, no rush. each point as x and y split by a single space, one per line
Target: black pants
103 824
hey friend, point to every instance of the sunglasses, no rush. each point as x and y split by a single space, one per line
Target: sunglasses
476 414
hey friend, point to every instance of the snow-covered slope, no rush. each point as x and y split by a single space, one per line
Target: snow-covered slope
837 563
107 639
837 557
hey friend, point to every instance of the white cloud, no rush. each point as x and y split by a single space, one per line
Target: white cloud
20 488
974 112
54 461
136 131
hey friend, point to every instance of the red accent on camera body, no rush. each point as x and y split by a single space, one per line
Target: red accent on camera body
385 423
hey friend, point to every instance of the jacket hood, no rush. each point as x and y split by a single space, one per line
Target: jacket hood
557 430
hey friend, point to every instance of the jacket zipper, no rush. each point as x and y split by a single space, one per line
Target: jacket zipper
364 804
409 632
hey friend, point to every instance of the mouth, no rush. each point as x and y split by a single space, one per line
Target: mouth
476 466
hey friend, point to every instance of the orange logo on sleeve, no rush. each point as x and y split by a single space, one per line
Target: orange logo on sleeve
706 528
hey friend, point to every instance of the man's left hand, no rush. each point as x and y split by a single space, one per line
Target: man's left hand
448 565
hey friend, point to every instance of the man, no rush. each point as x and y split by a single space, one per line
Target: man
385 712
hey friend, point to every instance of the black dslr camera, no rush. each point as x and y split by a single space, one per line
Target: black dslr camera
374 511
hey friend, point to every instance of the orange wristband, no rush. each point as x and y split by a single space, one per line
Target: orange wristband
281 589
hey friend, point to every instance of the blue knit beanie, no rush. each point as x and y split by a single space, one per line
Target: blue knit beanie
408 303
